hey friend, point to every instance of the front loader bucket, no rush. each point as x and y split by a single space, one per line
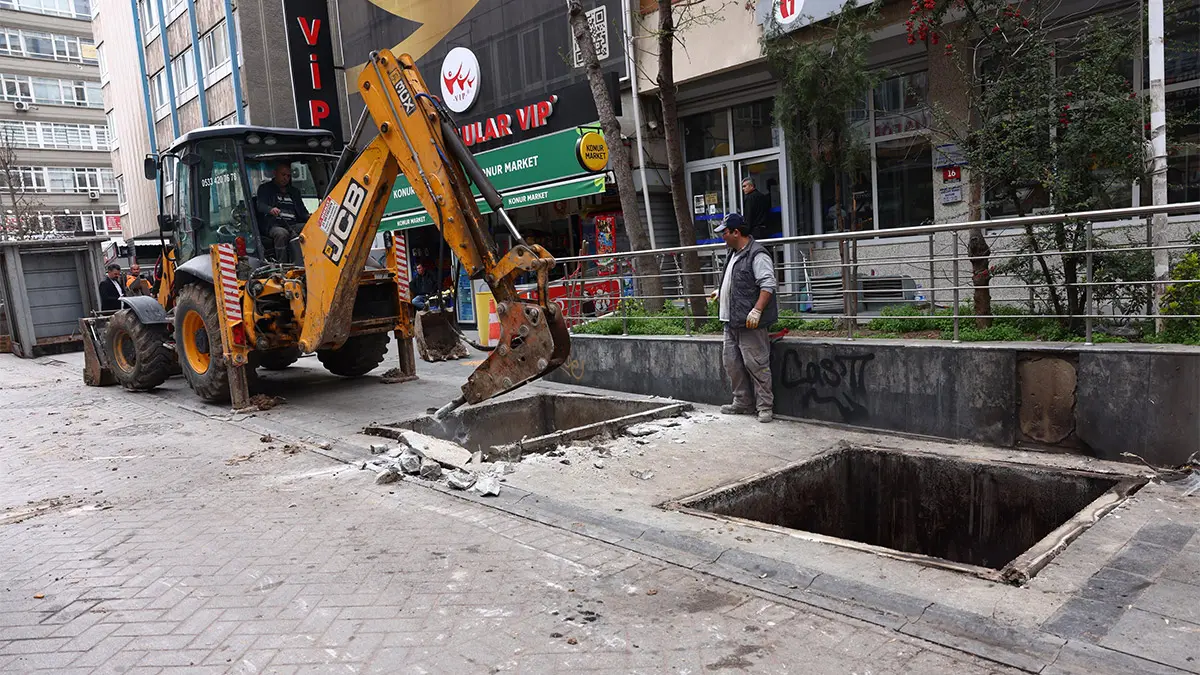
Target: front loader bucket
436 338
96 371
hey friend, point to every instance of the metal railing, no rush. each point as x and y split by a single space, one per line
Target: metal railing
928 268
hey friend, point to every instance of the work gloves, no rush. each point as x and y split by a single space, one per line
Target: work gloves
753 317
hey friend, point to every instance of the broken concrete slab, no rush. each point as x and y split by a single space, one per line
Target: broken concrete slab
460 480
410 461
388 475
446 452
430 469
488 485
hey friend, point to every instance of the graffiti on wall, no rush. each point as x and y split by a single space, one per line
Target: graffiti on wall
839 380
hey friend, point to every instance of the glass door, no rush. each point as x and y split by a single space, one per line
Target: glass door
709 190
763 207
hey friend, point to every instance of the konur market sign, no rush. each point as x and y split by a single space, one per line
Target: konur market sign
551 159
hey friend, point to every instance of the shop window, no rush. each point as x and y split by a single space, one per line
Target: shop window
509 49
531 44
904 168
754 126
902 105
706 135
857 210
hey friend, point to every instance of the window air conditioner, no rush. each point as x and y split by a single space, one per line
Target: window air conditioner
94 195
20 105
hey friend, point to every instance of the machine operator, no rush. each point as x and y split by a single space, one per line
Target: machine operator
281 210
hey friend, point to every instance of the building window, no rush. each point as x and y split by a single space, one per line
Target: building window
36 45
706 135
158 91
47 91
214 53
183 69
119 182
76 9
67 180
896 188
54 135
111 126
148 13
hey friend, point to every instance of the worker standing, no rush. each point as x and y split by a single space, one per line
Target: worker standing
747 308
137 284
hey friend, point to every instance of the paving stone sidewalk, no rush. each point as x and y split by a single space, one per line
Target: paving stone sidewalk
142 538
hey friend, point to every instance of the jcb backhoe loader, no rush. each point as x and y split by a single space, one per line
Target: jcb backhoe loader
222 308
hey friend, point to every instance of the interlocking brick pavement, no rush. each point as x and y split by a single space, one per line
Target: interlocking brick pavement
166 541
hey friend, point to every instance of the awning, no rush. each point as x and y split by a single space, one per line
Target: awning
514 199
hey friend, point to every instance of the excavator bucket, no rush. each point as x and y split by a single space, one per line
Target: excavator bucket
533 341
437 340
96 370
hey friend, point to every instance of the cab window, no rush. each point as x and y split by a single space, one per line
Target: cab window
220 212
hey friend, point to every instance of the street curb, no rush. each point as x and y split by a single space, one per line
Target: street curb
1028 649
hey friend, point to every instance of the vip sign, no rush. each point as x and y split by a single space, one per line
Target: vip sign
460 79
310 50
527 117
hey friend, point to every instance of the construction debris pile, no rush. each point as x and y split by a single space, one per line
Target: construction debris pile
422 456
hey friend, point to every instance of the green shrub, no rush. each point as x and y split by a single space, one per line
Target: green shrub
891 320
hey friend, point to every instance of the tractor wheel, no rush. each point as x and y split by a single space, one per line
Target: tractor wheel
278 359
198 342
359 356
136 353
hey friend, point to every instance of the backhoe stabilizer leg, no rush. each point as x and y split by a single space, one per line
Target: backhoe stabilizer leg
239 386
534 340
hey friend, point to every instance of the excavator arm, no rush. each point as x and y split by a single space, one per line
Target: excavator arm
415 138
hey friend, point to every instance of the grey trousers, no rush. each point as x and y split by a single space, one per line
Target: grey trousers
747 357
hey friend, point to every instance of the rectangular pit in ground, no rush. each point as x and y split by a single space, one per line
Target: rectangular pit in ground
506 430
995 519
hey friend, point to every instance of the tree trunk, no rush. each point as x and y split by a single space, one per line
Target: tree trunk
979 251
650 275
693 285
1055 301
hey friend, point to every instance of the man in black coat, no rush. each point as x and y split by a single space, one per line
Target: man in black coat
281 210
112 289
424 284
756 207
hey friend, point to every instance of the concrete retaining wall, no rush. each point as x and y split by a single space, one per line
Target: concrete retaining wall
1101 400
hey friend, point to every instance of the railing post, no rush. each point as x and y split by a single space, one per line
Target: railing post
954 256
852 314
1087 340
932 279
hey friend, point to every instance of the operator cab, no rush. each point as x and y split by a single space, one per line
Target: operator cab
216 174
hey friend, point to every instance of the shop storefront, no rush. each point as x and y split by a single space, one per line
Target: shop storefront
555 196
508 71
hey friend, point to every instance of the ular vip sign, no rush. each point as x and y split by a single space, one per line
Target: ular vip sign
310 50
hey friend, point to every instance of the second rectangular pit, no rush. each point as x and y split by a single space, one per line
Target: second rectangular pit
996 520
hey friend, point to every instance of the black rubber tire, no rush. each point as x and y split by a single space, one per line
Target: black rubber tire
144 362
212 385
277 359
360 355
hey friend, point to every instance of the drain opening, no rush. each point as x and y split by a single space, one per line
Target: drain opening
984 515
507 430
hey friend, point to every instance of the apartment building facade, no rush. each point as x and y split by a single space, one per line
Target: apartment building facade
177 65
54 140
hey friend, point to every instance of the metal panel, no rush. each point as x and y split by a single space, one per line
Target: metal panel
53 292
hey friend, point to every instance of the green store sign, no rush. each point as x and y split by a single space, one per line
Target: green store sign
545 159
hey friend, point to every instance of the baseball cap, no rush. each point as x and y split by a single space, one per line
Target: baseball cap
732 221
